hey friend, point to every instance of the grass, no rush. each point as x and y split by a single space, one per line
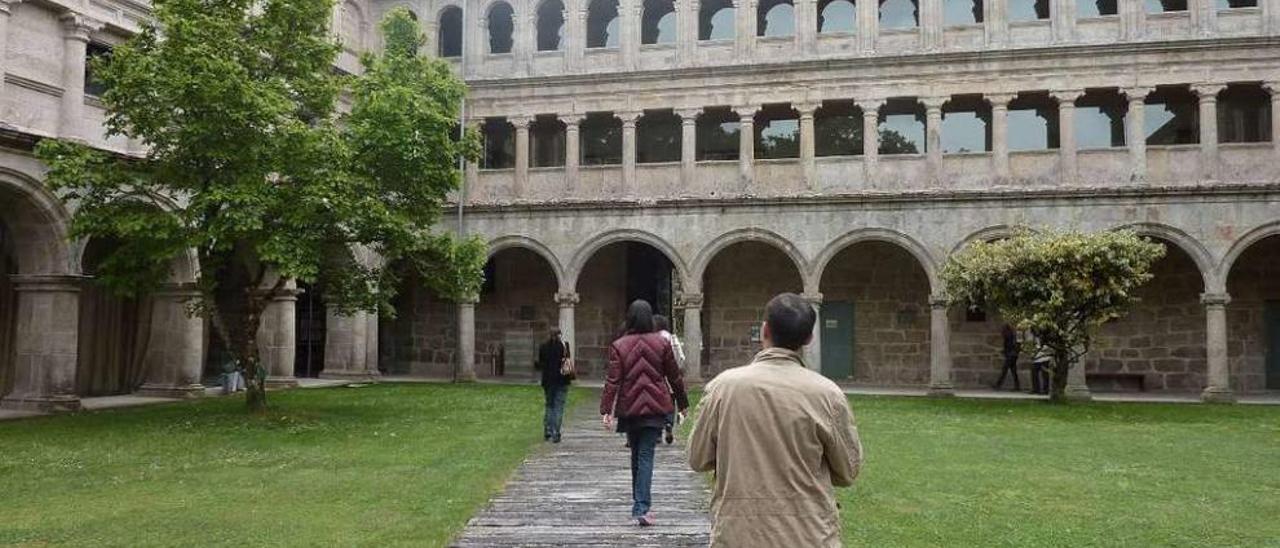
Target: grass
374 466
952 472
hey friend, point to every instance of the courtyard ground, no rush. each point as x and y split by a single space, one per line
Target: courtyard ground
372 466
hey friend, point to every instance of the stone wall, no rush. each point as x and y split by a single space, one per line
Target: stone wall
1254 280
601 308
516 315
422 340
976 347
738 283
890 294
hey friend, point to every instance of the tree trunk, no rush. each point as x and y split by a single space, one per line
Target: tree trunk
1058 380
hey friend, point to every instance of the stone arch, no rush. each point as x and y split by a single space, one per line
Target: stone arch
709 251
449 33
994 232
599 241
501 243
38 223
1185 242
500 27
907 243
1242 244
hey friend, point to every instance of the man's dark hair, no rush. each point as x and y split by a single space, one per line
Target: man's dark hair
790 320
639 317
661 323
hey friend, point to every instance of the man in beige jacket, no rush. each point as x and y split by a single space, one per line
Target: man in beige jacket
779 438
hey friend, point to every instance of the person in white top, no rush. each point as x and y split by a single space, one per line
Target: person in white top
663 326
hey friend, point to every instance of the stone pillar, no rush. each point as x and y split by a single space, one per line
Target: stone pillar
346 344
1000 133
1067 132
1133 19
466 371
629 21
868 21
813 351
933 135
746 31
277 338
6 7
1208 94
688 144
692 339
525 41
629 151
371 346
930 25
474 34
1136 132
520 185
568 332
686 31
807 27
807 149
870 137
174 360
572 151
1062 17
995 22
1204 16
75 44
576 36
1077 383
746 142
1274 89
471 169
1215 312
46 341
939 348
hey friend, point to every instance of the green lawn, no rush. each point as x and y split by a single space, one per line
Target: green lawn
997 473
374 466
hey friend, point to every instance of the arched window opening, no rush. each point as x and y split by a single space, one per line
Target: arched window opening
550 25
546 141
716 20
837 16
1100 119
499 144
717 130
777 130
962 12
602 24
1033 122
658 22
1244 114
775 18
449 34
837 129
1030 10
899 14
501 28
901 127
1172 116
601 134
966 125
1166 6
658 137
1096 8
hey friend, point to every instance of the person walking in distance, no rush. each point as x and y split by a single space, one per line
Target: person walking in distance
779 437
552 355
638 390
663 325
1010 352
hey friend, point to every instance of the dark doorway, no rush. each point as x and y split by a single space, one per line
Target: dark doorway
114 332
1273 345
649 277
837 340
309 316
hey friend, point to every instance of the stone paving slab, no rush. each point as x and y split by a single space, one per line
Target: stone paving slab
578 493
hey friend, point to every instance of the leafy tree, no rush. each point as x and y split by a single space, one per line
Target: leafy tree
258 172
892 142
1058 285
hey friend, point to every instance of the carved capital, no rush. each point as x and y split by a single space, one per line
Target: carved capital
573 120
934 103
1208 92
520 121
1137 93
1215 299
1066 96
999 100
938 300
467 300
746 112
689 300
814 299
629 117
567 300
1273 88
688 115
807 107
77 27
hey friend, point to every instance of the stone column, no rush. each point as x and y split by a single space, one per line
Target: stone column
807 148
1215 312
1067 131
995 23
629 151
629 20
692 305
474 35
526 39
688 144
1133 19
576 36
6 7
807 27
1000 133
466 371
346 341
471 169
46 341
930 25
278 336
1208 94
1077 383
746 31
686 31
933 135
868 21
939 348
371 346
75 44
1136 132
813 352
1274 89
1204 16
1062 17
174 359
568 332
870 137
746 142
572 151
520 184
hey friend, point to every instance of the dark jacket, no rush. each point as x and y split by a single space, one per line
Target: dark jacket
641 366
1010 339
550 354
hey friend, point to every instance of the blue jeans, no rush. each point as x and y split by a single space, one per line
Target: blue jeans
554 416
643 441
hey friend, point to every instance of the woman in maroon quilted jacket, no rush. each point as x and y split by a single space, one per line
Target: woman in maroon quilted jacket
641 367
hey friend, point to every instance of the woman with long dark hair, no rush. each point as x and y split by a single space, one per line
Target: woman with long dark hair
636 397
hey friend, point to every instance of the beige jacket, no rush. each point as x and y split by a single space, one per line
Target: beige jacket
779 438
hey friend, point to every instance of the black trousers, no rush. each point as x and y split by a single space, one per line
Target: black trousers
1010 366
1040 378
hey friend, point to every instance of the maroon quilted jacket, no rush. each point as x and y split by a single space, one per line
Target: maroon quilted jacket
640 368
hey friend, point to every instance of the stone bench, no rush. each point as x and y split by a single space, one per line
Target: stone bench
1116 382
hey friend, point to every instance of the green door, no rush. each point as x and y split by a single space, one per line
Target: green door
837 340
1273 345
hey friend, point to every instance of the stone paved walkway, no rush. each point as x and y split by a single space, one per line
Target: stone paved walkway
578 493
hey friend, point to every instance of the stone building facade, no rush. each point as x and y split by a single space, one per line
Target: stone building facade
707 154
